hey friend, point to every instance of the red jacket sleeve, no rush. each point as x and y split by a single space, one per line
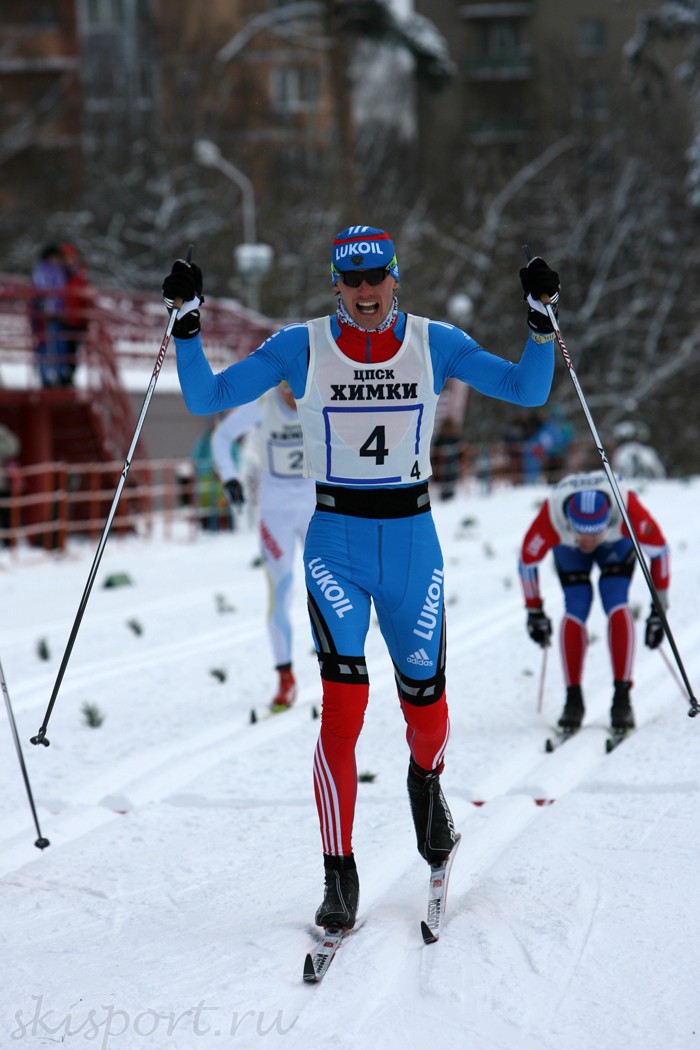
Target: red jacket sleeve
651 540
539 539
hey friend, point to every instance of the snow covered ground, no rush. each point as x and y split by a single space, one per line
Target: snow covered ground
174 906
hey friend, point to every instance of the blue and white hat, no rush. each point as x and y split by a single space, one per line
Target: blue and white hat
363 248
588 511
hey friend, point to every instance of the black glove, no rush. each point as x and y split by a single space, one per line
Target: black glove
234 491
184 282
654 632
539 626
537 280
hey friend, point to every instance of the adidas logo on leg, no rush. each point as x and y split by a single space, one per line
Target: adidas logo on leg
421 658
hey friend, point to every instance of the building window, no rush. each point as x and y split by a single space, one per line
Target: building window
594 102
591 37
295 89
105 12
500 39
18 12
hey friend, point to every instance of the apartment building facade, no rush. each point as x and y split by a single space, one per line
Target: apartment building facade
85 79
532 71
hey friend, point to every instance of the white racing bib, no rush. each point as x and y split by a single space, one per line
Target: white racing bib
281 439
368 424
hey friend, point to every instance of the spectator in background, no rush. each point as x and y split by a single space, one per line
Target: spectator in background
76 301
212 504
545 452
518 432
47 316
447 455
633 456
9 450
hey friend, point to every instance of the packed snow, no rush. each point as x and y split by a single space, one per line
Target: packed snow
174 906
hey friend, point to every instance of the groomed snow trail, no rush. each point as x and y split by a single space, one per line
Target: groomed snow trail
174 906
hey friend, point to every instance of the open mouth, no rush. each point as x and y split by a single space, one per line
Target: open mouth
367 306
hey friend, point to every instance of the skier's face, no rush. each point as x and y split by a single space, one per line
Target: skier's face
368 304
588 541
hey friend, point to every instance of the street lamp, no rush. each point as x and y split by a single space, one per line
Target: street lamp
253 260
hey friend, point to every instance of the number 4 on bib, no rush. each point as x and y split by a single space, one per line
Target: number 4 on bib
375 446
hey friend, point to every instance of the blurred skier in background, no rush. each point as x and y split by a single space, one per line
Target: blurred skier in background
581 524
286 502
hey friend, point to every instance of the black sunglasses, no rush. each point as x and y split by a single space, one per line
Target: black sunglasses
354 278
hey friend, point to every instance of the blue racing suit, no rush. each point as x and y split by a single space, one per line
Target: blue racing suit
370 541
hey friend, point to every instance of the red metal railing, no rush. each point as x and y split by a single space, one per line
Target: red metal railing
122 329
49 503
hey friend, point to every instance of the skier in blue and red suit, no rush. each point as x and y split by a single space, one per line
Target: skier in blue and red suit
581 524
366 382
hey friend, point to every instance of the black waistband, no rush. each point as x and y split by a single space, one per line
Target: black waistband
373 503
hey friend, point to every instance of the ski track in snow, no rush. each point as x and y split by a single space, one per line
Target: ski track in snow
155 839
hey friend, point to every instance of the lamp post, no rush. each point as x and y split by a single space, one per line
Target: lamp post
253 260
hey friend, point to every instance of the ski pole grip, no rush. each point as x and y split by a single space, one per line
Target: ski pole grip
177 303
544 299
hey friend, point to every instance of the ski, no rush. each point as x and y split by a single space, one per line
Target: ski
316 964
431 926
268 712
560 737
615 738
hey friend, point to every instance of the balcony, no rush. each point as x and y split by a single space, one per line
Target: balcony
512 65
496 10
486 131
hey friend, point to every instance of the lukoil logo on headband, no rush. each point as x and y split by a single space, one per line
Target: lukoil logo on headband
359 249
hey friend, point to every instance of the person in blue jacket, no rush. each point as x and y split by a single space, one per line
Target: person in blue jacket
366 380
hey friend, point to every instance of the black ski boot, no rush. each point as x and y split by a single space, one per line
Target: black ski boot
621 713
572 715
435 830
342 896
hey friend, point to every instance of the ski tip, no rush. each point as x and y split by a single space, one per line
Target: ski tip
615 739
549 745
428 936
309 971
253 716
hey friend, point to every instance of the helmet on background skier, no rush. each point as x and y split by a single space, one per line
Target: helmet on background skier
363 248
588 511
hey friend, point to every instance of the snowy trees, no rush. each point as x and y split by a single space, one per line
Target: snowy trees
604 204
664 48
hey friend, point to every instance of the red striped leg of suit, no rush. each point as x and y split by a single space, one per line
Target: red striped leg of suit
573 641
621 641
335 772
427 732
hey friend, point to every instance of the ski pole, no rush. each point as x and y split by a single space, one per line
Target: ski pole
694 706
41 842
540 694
671 668
40 737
